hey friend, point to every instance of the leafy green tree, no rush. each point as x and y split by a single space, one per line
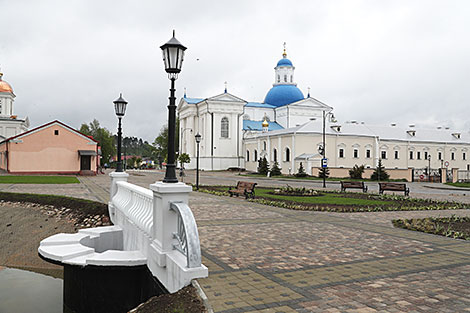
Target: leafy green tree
379 172
356 172
138 162
301 172
263 166
324 172
103 136
275 170
161 142
184 158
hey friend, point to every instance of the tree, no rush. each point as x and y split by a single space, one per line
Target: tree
131 162
263 166
324 172
138 162
379 172
356 172
275 170
184 158
161 142
301 172
103 136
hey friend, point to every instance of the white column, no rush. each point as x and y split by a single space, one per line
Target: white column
115 177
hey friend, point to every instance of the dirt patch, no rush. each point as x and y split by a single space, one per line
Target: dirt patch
184 301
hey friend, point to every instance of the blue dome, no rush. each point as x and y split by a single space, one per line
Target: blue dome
284 62
283 94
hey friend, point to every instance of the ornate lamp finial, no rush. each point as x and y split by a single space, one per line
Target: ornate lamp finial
284 55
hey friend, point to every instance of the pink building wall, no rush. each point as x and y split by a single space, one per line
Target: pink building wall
42 150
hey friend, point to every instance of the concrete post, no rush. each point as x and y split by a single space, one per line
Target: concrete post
115 177
443 175
455 175
164 220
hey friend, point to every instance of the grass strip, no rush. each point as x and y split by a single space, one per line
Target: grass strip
20 179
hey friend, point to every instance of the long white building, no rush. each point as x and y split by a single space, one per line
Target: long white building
287 128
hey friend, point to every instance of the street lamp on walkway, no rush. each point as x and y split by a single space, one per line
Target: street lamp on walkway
120 109
173 52
198 140
322 149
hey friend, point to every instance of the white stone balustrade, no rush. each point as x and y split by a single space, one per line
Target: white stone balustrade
154 227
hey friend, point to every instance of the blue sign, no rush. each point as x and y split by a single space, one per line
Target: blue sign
324 162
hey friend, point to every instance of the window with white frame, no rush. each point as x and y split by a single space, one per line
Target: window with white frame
287 158
396 155
452 156
255 156
341 153
264 145
383 154
464 156
248 155
418 155
368 153
275 155
355 153
224 127
411 155
439 155
425 155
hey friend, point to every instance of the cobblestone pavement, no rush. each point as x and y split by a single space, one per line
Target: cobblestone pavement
268 259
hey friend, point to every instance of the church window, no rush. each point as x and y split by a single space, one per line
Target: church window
356 153
285 78
224 127
287 155
396 155
56 132
341 153
464 156
255 156
275 155
264 145
247 155
368 153
383 154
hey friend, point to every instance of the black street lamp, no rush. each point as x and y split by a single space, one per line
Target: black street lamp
173 52
198 140
120 109
322 149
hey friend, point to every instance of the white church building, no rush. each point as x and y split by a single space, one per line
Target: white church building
10 124
287 128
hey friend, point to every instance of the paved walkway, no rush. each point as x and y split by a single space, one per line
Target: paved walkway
269 259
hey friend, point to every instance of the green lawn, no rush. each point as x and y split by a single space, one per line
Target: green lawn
39 180
326 198
464 185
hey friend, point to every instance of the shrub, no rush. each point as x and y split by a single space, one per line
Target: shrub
324 172
301 172
263 166
380 173
275 170
356 172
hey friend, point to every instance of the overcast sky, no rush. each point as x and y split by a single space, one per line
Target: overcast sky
373 61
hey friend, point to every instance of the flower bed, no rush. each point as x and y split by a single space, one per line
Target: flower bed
454 226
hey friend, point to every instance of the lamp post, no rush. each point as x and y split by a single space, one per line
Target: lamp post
173 52
198 140
322 149
429 167
120 109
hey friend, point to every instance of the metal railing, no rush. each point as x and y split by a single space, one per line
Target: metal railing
187 234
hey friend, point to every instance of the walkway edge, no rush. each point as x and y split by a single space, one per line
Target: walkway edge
203 296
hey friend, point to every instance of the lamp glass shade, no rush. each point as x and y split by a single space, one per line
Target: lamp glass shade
198 137
120 106
173 55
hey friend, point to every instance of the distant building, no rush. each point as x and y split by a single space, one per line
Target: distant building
287 128
10 124
53 148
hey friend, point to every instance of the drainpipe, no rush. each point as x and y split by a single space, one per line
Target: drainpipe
238 136
7 157
212 137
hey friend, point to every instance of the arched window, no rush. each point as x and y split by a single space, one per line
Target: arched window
275 155
285 78
287 155
278 78
248 155
224 127
264 145
291 78
255 156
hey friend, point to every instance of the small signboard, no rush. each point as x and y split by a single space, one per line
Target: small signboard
324 162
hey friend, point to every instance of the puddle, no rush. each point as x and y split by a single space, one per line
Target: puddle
26 292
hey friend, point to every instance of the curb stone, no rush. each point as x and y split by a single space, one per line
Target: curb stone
203 296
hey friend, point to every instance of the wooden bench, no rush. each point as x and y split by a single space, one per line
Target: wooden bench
243 188
353 185
394 187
